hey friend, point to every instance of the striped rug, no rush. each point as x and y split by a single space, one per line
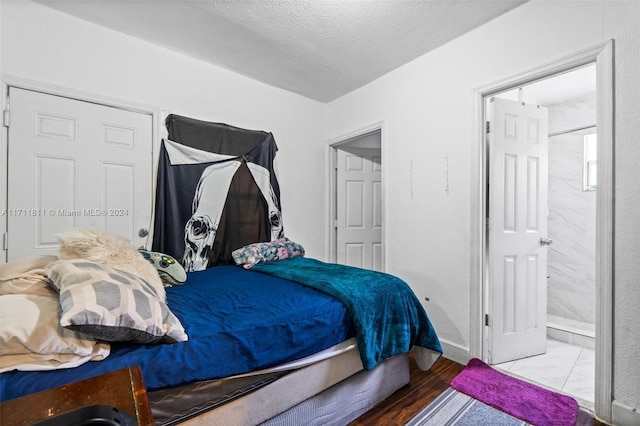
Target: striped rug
455 408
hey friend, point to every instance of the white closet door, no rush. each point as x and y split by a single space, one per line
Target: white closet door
75 164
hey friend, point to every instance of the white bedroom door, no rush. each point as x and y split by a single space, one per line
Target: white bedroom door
74 164
359 208
518 213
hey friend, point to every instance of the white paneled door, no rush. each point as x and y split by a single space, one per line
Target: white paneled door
74 164
359 208
518 245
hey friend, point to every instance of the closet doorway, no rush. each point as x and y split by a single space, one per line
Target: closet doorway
358 205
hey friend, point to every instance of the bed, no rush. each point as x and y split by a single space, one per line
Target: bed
267 346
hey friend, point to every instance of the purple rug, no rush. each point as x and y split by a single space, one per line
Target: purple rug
531 403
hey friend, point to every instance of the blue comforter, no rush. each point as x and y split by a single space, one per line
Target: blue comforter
237 321
388 317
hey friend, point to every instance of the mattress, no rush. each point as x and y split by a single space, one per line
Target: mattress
238 321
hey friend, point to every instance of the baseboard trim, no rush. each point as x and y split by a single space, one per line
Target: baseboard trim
623 415
455 352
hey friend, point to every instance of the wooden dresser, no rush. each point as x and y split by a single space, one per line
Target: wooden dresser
122 389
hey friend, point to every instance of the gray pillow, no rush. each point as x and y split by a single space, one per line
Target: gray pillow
112 305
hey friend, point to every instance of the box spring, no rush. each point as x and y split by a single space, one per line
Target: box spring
331 391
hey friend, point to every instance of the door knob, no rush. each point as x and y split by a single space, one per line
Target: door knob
143 232
546 241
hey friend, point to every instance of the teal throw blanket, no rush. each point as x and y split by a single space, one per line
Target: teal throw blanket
388 317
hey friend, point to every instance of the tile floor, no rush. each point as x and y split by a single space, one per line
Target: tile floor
566 368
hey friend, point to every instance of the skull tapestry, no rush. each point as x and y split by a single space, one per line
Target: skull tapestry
217 191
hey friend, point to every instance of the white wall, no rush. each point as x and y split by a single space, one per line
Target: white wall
49 47
571 271
428 111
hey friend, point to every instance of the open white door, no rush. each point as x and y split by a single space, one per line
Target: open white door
75 164
518 184
359 208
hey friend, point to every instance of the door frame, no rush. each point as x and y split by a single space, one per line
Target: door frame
8 81
333 145
603 56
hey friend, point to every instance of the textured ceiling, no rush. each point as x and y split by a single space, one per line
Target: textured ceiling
321 49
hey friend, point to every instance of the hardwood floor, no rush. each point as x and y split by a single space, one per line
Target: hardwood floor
423 388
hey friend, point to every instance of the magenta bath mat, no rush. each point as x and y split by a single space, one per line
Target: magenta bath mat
528 402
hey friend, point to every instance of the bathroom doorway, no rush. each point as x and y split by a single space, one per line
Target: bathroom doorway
602 55
568 361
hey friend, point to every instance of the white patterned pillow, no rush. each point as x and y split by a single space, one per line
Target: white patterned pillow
112 305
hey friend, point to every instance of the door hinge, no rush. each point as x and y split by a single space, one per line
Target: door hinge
486 319
335 224
6 115
5 241
488 127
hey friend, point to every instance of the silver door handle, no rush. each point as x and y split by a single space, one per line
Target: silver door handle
546 241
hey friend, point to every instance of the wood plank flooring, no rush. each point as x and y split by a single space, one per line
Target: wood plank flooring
423 388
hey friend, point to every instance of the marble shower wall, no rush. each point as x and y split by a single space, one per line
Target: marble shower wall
572 214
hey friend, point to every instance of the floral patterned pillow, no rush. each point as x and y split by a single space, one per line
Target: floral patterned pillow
251 254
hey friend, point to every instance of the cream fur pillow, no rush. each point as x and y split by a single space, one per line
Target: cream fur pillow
110 250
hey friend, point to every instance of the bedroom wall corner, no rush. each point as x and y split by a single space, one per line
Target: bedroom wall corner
45 46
